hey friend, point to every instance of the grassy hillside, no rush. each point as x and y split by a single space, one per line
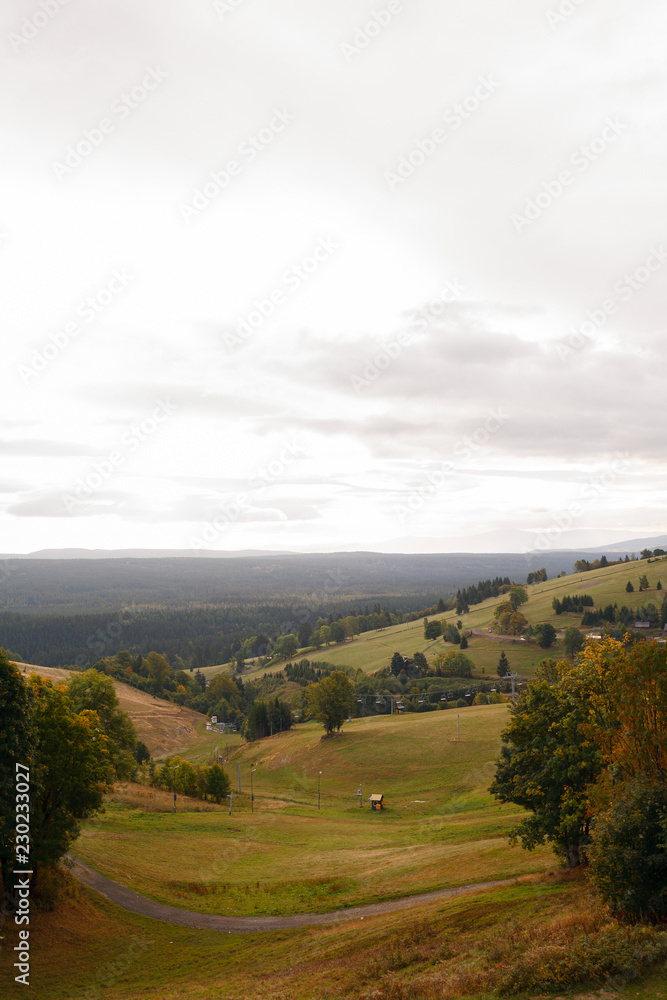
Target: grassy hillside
165 728
372 651
452 948
441 827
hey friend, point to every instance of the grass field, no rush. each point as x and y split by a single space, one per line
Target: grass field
372 651
459 947
164 727
441 827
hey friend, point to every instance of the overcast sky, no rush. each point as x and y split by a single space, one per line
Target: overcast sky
300 276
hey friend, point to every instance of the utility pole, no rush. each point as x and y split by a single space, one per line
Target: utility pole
319 797
458 728
513 677
238 772
361 798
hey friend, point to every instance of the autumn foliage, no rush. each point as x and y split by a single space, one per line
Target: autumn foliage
585 753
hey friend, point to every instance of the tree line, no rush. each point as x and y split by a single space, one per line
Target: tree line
572 605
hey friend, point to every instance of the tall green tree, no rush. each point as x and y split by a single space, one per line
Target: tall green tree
331 700
218 785
18 741
503 665
72 768
351 626
96 692
453 664
545 634
452 635
286 646
396 664
628 855
304 632
420 661
257 724
517 596
432 629
158 668
337 632
573 640
545 766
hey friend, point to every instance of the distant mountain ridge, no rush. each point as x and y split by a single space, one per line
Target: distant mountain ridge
141 554
629 546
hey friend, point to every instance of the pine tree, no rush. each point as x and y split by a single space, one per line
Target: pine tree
503 665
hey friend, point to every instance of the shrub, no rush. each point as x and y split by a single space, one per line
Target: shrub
613 951
629 851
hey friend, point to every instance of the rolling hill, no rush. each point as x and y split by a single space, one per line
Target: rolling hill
163 726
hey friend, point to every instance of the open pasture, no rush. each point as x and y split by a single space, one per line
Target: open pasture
371 651
441 828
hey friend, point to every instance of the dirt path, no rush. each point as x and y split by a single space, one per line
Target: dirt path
132 901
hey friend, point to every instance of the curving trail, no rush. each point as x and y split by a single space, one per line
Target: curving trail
132 901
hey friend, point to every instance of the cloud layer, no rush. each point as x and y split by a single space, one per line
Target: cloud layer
280 277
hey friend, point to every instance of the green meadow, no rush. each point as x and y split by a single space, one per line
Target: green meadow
372 651
89 948
282 854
